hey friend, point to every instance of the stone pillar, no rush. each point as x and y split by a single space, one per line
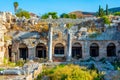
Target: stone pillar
31 52
85 49
13 57
50 43
69 46
102 50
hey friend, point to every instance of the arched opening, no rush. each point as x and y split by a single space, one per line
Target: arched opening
76 51
111 50
94 50
23 51
41 50
59 49
10 52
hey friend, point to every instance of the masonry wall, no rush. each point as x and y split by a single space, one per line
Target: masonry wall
85 48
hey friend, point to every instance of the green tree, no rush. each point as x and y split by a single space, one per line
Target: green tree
117 13
15 4
22 13
45 16
107 12
100 12
64 15
53 14
72 16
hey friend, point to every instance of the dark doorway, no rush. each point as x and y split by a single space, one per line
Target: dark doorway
23 51
10 52
94 50
111 50
41 51
76 51
59 49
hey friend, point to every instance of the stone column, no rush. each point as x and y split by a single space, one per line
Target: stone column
31 52
13 57
50 43
69 46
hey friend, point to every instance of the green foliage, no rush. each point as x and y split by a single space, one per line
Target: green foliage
45 16
116 65
64 15
8 63
106 20
69 72
100 12
22 13
69 25
5 60
20 62
1 69
72 16
7 37
117 13
15 4
107 12
53 14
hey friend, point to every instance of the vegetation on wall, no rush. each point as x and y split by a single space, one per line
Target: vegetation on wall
68 26
22 13
41 27
106 20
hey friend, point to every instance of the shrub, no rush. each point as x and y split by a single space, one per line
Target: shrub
116 65
1 69
20 62
69 72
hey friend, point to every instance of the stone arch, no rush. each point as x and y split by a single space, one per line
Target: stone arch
111 50
23 51
41 50
94 50
76 50
59 49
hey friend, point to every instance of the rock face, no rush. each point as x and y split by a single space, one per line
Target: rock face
2 42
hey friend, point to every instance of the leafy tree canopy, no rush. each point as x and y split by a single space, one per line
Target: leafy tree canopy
53 14
72 16
117 13
15 4
22 13
101 12
64 15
